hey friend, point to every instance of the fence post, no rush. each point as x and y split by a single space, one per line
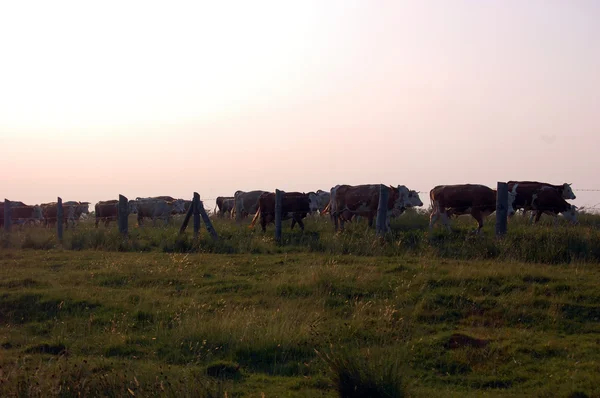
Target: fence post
123 214
59 219
7 220
206 219
501 209
186 220
196 210
382 210
278 209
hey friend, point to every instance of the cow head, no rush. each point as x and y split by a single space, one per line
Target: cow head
38 214
567 192
313 202
511 200
178 206
132 205
407 198
83 208
571 214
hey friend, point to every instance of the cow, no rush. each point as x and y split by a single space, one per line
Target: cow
550 201
20 213
527 189
245 203
75 210
179 204
108 211
321 199
156 208
225 205
294 205
477 200
363 200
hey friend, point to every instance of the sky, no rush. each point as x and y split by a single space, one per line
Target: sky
146 98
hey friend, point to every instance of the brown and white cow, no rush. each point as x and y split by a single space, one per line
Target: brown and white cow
527 189
158 209
294 205
321 198
477 200
363 200
20 213
550 201
245 203
225 205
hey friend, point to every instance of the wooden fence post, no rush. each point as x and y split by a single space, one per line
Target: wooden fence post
186 220
382 210
206 219
278 209
7 220
501 209
196 210
123 214
59 219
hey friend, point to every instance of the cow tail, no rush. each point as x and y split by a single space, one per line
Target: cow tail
255 219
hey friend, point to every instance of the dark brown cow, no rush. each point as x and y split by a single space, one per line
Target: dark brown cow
526 190
477 200
363 200
550 201
20 213
294 205
225 205
106 211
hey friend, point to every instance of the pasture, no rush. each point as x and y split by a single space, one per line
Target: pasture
411 314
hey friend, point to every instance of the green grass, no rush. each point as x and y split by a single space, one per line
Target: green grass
295 324
545 243
412 314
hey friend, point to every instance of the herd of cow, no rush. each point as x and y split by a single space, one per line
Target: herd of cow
342 202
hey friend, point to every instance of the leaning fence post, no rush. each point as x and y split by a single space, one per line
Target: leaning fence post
59 219
278 209
123 214
196 212
186 220
206 219
381 225
501 209
7 220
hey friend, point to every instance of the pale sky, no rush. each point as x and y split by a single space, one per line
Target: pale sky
167 98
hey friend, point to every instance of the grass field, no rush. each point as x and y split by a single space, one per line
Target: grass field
413 314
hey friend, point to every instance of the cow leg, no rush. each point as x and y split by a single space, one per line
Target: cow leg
97 221
263 222
532 217
538 214
370 219
294 222
433 217
479 218
300 223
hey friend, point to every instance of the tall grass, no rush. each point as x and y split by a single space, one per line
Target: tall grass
410 235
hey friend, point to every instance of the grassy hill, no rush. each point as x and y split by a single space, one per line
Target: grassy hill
413 314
